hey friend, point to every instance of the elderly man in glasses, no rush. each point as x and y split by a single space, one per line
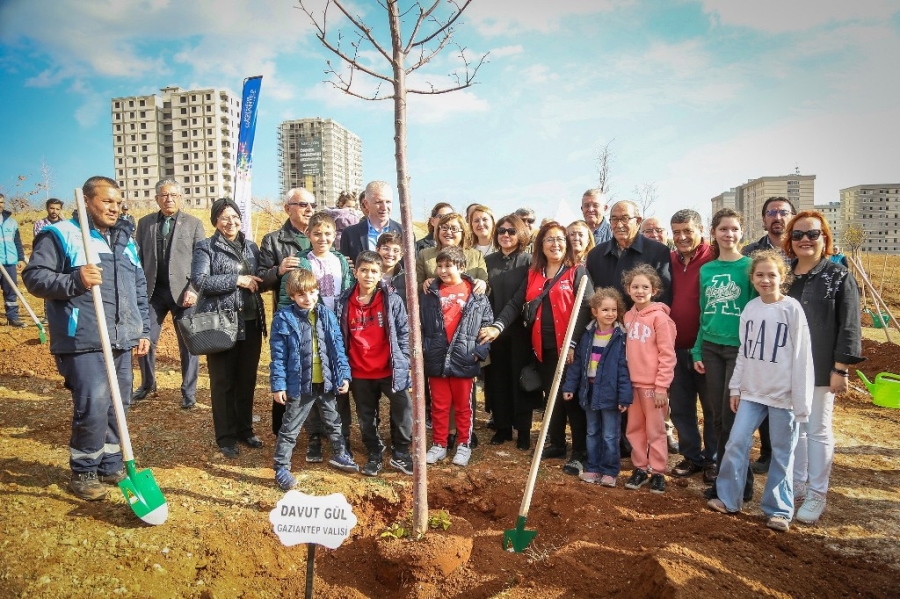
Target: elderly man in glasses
653 228
280 251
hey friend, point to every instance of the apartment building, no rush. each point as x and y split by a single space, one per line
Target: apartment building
832 213
750 197
725 199
186 135
319 155
875 208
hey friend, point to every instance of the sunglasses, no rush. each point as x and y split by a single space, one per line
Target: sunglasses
812 234
302 204
505 231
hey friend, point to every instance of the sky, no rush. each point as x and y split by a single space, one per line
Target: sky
694 97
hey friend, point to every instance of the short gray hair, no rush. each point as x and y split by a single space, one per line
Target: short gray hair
374 186
594 192
299 191
637 209
163 182
688 216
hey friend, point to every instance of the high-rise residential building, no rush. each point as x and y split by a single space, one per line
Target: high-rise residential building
832 213
723 200
750 197
321 156
186 135
875 208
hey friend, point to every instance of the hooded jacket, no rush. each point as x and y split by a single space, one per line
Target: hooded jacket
651 347
290 344
53 275
459 357
612 385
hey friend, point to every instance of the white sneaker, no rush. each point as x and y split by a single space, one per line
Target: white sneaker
435 454
812 508
463 453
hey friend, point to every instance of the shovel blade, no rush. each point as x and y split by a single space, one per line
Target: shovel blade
518 538
144 496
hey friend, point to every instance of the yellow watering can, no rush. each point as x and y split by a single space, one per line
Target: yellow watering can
885 390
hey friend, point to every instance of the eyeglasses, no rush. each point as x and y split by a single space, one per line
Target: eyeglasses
303 205
505 231
553 240
229 219
449 229
166 196
621 219
812 234
782 212
657 230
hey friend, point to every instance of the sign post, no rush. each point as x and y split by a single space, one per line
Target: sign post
314 520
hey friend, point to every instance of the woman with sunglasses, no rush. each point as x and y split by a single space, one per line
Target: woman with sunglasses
553 256
510 405
829 295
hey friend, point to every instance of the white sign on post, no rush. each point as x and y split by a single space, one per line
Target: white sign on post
322 520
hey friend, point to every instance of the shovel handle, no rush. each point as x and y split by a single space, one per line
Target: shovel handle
551 401
21 298
92 258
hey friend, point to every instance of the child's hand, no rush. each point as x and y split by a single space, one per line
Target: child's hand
488 334
735 401
279 397
623 409
699 367
660 400
345 386
567 396
570 356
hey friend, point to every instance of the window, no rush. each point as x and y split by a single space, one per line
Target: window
209 131
143 103
143 148
134 149
143 113
115 104
143 125
118 116
184 122
183 111
184 145
146 193
212 190
121 172
196 190
187 179
146 181
131 126
118 139
194 145
146 171
208 97
184 156
184 134
145 159
130 103
143 137
187 167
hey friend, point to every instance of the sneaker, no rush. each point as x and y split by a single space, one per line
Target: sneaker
143 393
710 493
230 451
252 441
686 468
812 508
284 479
637 480
15 322
590 477
86 486
608 480
314 449
435 454
188 402
373 466
463 453
113 478
717 505
657 483
402 462
552 452
575 466
760 466
779 523
710 473
799 493
343 461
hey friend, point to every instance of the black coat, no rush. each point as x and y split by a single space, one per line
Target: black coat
276 246
606 268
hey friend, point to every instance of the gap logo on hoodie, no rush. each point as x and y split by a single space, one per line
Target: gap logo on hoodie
756 344
638 331
722 296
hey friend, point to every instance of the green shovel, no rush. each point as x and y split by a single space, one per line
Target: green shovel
518 539
140 489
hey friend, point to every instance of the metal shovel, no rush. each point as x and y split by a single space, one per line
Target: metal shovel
140 489
518 539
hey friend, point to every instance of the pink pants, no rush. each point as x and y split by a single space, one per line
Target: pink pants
455 392
647 432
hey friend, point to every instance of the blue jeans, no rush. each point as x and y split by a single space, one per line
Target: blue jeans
778 495
10 299
687 385
295 412
603 430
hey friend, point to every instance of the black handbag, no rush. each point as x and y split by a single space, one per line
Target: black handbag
529 310
530 378
209 332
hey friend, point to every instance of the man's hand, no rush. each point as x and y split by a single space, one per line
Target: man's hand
143 347
91 275
190 298
279 397
289 263
427 284
488 334
479 287
20 266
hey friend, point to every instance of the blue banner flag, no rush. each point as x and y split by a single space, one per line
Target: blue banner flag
244 160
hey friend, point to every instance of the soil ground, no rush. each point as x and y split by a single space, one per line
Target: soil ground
592 541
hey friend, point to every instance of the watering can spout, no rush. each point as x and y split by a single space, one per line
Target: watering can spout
868 383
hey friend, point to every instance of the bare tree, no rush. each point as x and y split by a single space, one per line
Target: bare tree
646 196
432 29
604 160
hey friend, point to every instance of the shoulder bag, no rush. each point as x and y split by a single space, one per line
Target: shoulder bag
529 310
209 332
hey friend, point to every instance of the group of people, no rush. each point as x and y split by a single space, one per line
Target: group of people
667 320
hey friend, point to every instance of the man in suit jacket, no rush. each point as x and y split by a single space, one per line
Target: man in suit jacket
165 246
364 235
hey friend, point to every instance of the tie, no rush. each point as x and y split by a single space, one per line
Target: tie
166 226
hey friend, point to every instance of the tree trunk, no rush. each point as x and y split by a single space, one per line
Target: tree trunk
419 437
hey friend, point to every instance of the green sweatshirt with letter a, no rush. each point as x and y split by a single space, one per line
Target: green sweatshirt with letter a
725 289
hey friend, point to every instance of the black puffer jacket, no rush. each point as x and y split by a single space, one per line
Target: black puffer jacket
276 246
829 296
214 272
460 357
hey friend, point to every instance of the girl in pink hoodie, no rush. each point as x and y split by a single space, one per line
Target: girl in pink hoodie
650 348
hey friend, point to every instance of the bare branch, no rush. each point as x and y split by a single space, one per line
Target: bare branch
423 14
468 80
364 28
445 27
425 58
